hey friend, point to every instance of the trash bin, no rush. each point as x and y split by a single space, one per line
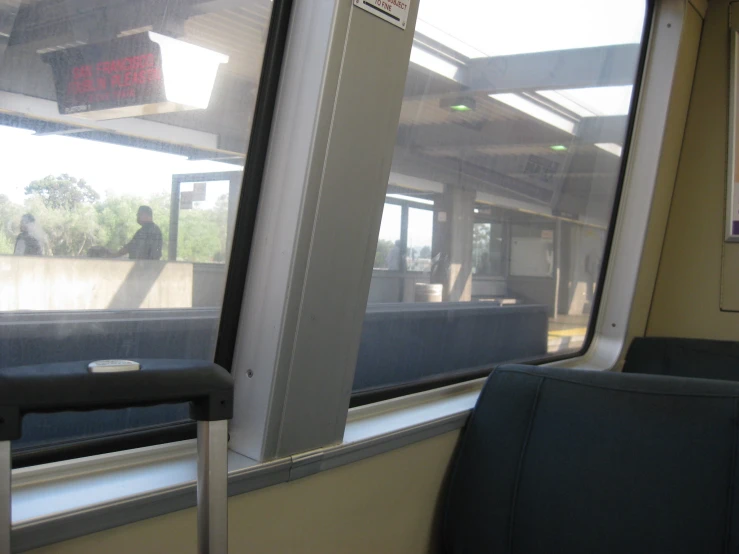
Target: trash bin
428 292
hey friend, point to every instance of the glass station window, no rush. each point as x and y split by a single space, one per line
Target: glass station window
420 233
512 130
388 255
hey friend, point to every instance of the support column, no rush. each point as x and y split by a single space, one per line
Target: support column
452 243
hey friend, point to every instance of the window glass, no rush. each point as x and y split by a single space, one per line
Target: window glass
124 128
420 232
487 249
388 255
511 133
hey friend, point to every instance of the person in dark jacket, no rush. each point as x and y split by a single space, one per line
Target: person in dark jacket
27 243
146 244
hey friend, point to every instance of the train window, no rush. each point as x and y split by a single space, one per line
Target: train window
512 133
124 130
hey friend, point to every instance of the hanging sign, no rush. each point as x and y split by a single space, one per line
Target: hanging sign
198 192
392 11
141 74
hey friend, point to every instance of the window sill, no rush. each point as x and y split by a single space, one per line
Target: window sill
64 500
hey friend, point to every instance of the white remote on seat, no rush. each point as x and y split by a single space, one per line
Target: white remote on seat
113 366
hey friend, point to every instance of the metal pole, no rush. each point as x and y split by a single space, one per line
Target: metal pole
5 511
212 487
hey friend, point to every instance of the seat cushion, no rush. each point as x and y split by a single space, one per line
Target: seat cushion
580 462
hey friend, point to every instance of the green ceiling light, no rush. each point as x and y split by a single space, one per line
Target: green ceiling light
459 104
559 148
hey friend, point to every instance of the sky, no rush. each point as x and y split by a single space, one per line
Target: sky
108 168
484 28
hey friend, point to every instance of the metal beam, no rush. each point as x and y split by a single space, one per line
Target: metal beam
609 128
55 23
468 175
562 69
490 133
521 132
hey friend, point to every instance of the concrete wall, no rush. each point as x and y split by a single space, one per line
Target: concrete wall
533 290
388 504
46 284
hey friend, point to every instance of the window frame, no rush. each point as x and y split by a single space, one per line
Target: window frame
268 432
236 264
595 331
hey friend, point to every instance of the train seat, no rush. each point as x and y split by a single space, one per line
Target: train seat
557 460
679 357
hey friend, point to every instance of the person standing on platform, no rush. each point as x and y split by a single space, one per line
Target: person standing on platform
146 244
30 241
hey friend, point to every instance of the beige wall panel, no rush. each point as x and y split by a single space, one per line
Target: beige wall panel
386 504
687 295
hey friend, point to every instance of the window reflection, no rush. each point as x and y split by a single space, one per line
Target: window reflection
510 143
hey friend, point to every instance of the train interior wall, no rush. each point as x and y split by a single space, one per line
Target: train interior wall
688 297
389 503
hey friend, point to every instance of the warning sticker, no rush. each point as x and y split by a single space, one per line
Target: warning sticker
392 11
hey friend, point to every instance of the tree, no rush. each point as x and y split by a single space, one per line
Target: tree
63 192
64 213
481 234
425 252
68 232
117 219
383 248
72 219
202 233
10 215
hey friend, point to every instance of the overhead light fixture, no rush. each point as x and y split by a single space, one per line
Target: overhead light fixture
189 71
559 148
459 104
411 198
613 148
565 102
535 110
434 63
593 101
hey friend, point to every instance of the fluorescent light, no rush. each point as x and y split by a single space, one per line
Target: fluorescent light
460 108
558 148
596 100
135 31
434 63
189 71
535 110
611 147
565 102
425 29
411 199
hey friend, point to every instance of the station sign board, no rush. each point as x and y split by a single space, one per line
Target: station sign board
135 75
